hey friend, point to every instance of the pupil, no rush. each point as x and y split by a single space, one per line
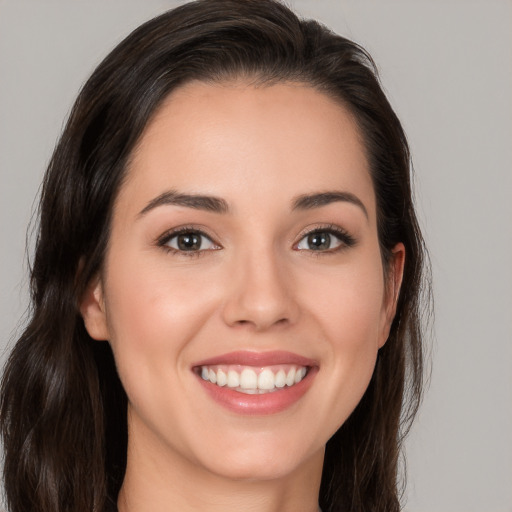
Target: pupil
318 241
189 242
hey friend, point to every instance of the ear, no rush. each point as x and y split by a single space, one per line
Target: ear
394 276
92 309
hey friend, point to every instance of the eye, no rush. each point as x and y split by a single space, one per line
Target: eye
324 240
188 240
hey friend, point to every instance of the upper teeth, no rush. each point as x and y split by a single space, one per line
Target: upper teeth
252 380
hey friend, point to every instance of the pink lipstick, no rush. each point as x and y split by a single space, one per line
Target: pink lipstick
262 383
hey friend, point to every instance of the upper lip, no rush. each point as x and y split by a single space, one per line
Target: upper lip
253 358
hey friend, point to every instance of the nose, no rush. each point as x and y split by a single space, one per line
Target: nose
260 293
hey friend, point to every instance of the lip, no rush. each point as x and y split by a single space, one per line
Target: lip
264 404
250 358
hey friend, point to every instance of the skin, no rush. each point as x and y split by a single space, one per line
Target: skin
257 286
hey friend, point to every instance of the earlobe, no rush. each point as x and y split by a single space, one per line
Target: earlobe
393 285
92 309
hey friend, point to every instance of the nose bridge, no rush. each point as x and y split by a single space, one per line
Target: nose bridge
260 292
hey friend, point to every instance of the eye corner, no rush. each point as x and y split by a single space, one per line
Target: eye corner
327 236
192 244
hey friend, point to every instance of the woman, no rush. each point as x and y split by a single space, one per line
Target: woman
226 307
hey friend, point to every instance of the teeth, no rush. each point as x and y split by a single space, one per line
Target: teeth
280 380
254 380
222 378
248 379
290 377
233 379
266 380
299 375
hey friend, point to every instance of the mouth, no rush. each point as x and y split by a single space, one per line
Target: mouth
256 383
253 380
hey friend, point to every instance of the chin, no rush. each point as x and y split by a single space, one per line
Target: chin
255 470
260 462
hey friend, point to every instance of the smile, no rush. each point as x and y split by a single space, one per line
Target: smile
256 383
253 380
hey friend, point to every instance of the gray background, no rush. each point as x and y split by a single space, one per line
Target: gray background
447 68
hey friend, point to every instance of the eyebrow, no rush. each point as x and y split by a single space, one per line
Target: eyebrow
310 201
219 205
198 202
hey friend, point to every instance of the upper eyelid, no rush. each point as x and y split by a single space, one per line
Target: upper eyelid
166 236
347 239
331 228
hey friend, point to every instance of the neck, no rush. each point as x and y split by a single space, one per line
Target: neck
161 484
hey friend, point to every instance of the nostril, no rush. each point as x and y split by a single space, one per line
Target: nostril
261 325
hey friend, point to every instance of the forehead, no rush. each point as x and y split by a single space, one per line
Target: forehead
239 141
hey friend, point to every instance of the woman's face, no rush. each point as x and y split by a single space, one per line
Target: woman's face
243 291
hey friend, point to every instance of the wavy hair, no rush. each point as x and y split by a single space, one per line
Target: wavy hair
63 408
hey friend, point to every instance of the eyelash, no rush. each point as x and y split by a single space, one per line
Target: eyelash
163 240
342 235
346 239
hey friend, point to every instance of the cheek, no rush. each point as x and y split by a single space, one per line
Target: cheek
153 313
347 306
348 302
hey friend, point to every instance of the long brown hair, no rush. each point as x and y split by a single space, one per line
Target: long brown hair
63 409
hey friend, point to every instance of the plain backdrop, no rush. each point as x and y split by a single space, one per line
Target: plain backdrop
447 68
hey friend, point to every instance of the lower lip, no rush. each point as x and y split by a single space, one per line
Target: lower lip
267 403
